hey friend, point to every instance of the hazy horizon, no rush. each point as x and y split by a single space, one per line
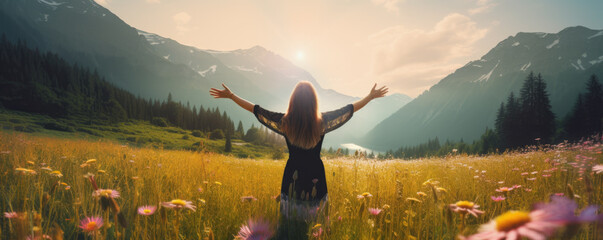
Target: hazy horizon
348 45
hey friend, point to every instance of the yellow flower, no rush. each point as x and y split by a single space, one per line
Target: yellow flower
441 189
56 173
317 226
179 202
101 171
465 204
410 199
26 171
90 161
218 183
422 194
431 182
511 220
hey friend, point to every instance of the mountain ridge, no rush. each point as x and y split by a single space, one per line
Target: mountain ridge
464 103
152 66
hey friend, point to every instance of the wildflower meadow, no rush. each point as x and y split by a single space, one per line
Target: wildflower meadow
55 188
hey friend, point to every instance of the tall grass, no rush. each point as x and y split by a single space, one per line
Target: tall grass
413 195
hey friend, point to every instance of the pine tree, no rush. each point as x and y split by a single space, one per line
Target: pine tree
527 114
536 120
500 119
593 102
240 131
573 126
510 124
228 144
544 118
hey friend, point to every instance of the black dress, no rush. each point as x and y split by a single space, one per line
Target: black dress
304 187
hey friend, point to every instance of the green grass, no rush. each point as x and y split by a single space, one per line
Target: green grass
134 133
414 195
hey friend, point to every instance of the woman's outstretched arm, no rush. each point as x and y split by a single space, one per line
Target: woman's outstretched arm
375 93
226 93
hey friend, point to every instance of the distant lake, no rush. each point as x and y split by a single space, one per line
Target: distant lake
353 147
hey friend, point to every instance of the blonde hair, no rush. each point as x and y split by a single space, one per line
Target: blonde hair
302 124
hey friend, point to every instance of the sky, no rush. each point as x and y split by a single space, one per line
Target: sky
348 45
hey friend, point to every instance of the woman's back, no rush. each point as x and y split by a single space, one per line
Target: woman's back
304 176
304 194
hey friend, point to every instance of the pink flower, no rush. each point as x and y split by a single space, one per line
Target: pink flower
516 225
559 194
106 193
91 224
374 211
317 233
497 198
516 186
598 168
10 215
179 204
255 230
546 175
463 207
540 223
504 189
563 210
524 173
147 210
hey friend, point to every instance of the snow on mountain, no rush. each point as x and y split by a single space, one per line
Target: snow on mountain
596 35
553 44
464 103
486 76
153 39
525 66
51 3
246 69
211 69
596 61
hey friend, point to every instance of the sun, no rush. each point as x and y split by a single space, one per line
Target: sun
300 55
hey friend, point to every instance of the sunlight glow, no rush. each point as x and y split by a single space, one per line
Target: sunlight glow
300 55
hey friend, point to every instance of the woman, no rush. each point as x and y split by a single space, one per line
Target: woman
304 186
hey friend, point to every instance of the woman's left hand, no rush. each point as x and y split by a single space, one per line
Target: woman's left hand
217 93
377 93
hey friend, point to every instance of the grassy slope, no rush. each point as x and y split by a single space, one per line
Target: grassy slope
133 133
215 184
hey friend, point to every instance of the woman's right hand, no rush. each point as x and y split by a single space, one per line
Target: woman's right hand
377 93
217 93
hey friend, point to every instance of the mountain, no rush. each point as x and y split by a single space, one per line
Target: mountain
146 64
276 76
465 102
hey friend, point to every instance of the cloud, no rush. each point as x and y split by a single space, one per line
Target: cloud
182 19
390 5
482 7
416 58
414 79
152 1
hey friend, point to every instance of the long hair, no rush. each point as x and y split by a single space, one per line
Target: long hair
302 124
